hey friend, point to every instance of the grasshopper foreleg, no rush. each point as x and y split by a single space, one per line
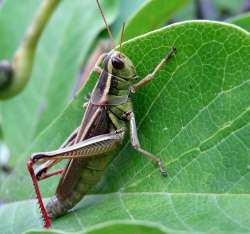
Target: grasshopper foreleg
97 68
99 71
136 144
151 76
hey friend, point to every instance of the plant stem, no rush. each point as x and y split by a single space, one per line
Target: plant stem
23 59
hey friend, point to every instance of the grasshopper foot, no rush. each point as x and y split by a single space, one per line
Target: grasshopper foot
162 169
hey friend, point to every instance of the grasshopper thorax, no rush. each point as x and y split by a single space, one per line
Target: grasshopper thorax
118 64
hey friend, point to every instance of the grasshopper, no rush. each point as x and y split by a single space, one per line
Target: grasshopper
108 115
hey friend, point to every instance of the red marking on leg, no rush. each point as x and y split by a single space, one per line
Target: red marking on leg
47 222
57 172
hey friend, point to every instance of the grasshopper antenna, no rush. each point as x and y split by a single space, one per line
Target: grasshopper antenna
105 21
122 36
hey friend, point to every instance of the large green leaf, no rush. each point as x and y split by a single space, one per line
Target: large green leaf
12 29
127 8
152 15
241 20
195 116
127 227
13 24
182 213
63 45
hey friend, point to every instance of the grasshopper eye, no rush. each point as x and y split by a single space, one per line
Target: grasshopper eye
117 63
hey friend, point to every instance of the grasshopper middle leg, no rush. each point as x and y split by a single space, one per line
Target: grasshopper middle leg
136 144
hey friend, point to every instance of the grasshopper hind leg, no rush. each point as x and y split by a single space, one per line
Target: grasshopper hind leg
90 148
42 170
47 222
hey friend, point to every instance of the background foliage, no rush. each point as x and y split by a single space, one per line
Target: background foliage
195 116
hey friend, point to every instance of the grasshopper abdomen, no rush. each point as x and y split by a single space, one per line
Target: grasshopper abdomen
90 175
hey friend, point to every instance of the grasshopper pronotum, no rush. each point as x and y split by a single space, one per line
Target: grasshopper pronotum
108 112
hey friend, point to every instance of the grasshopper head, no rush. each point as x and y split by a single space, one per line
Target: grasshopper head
120 65
116 63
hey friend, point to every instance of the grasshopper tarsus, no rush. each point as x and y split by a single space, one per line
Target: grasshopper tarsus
162 169
170 54
152 75
164 173
173 50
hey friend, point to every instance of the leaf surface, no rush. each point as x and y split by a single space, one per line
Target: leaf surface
185 213
194 115
242 21
118 227
127 8
152 15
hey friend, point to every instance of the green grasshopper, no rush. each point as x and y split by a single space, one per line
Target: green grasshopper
108 113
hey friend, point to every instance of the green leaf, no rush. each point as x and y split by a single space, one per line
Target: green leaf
184 213
12 29
194 115
13 24
62 48
187 13
242 21
152 15
116 227
127 8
